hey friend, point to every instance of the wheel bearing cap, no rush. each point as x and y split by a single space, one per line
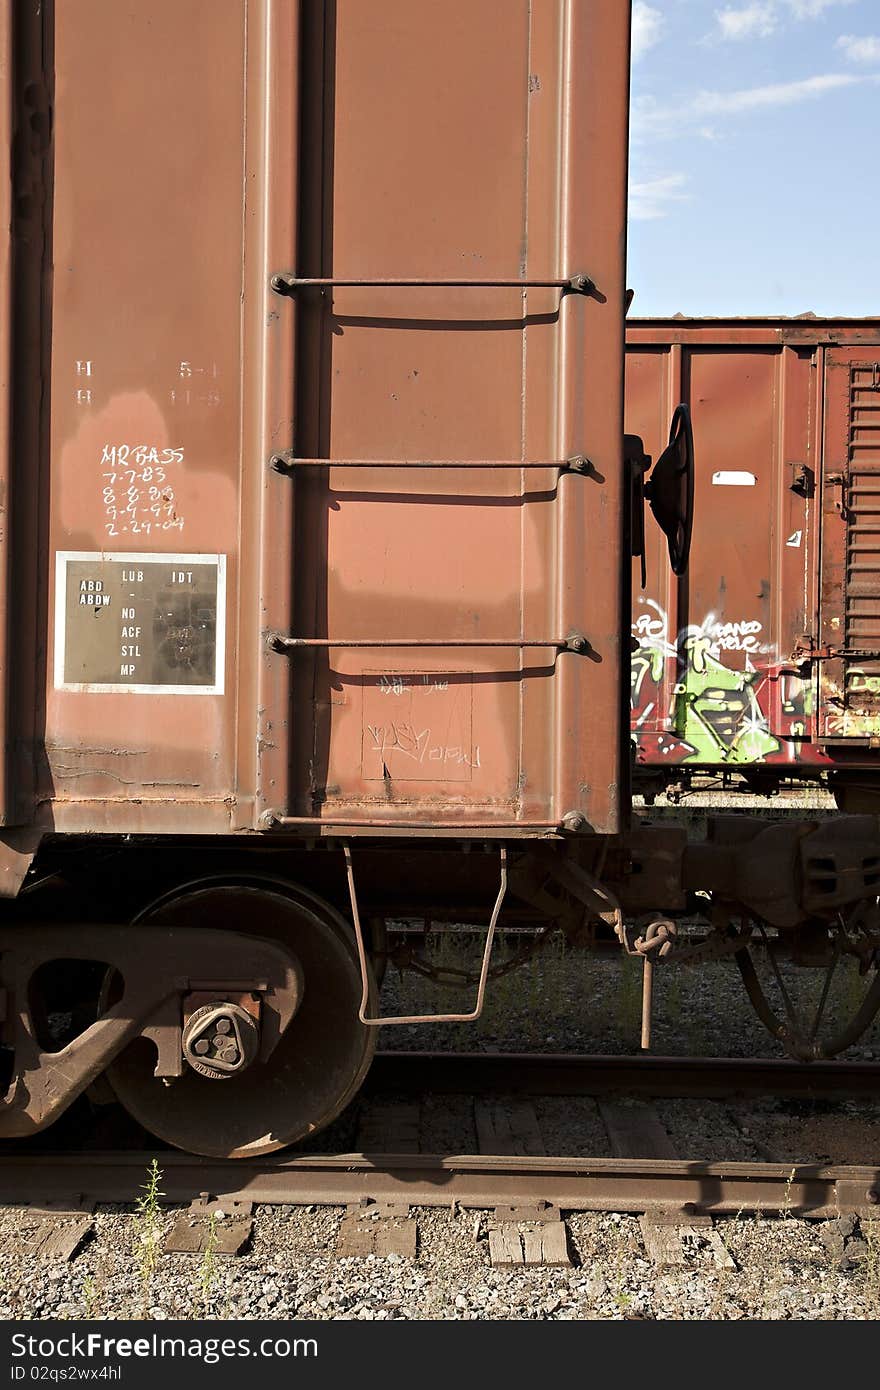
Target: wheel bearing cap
220 1040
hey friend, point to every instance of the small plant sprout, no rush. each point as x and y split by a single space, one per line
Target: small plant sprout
148 1224
90 1298
208 1265
786 1209
871 1232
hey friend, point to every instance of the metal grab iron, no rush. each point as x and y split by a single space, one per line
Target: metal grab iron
284 283
399 1020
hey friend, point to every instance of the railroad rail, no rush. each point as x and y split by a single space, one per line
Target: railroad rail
469 1181
657 1181
573 1074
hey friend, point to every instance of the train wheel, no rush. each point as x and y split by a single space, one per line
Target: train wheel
320 1061
802 1029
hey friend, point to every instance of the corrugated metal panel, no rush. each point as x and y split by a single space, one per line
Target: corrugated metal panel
862 600
849 610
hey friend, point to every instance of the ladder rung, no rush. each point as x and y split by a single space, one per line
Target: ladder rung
575 643
288 463
288 284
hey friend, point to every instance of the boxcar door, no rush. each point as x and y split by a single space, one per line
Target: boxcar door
438 201
849 681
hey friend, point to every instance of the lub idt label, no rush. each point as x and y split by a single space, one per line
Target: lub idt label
147 624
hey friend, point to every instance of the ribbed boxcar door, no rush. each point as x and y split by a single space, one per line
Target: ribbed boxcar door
477 140
849 681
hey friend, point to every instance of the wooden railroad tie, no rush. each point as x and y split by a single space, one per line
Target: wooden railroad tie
220 1227
636 1131
666 1232
377 1228
531 1236
55 1231
391 1128
508 1127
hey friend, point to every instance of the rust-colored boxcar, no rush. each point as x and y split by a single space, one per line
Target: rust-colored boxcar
314 501
317 530
216 643
764 659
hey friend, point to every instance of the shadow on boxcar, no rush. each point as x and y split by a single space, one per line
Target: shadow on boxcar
338 679
309 742
442 499
338 323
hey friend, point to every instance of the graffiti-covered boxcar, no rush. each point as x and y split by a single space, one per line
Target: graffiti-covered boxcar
763 661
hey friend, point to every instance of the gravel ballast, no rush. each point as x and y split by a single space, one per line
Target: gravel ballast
784 1269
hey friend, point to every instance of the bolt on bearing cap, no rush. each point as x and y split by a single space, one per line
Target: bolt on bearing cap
220 1040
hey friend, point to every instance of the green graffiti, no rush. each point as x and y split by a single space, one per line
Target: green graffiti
717 712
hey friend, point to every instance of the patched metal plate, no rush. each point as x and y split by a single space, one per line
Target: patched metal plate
153 624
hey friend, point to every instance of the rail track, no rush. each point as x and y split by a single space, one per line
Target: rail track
571 1074
469 1181
642 1176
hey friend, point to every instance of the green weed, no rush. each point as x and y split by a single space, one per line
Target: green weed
90 1298
148 1225
208 1264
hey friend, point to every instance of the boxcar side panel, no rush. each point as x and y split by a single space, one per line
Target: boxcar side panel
167 559
146 396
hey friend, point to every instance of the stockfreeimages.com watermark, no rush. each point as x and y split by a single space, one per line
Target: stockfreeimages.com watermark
98 1346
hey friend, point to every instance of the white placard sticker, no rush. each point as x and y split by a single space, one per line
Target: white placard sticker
732 478
146 624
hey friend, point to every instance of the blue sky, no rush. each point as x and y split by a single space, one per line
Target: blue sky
755 157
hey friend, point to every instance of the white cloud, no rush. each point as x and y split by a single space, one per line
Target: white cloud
812 9
652 198
647 25
860 50
756 20
701 112
777 94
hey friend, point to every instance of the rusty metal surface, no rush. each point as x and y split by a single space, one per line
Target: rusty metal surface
156 965
146 399
452 290
735 667
6 349
572 1184
17 851
571 1074
458 374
